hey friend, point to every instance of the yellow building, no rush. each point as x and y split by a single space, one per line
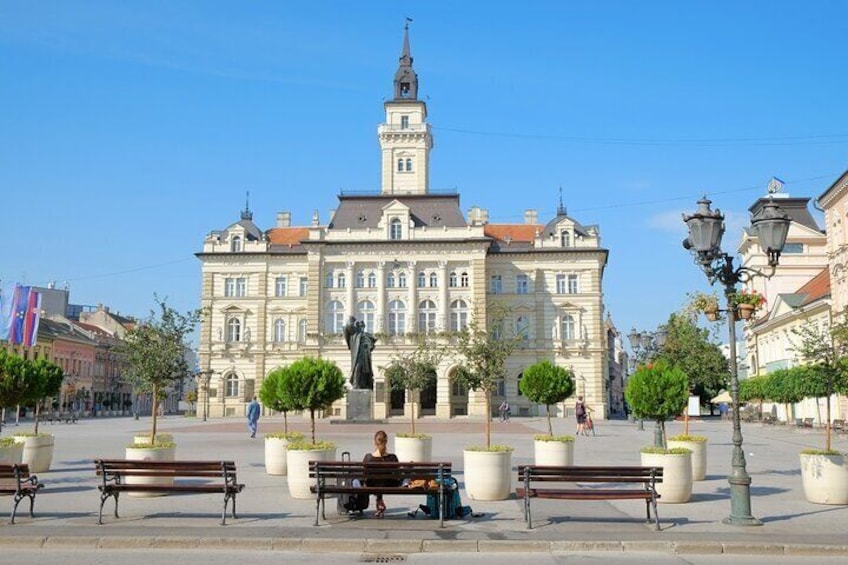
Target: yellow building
405 260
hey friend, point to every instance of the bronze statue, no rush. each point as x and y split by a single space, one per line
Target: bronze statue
361 344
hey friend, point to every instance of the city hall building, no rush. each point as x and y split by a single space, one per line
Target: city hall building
406 261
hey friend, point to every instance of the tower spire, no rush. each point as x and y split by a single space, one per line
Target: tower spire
247 214
561 211
406 81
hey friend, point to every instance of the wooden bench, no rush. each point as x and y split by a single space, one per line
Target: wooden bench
336 478
16 480
215 477
530 476
837 425
808 422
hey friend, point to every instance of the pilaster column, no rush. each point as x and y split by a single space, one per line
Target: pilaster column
350 278
412 298
443 296
379 324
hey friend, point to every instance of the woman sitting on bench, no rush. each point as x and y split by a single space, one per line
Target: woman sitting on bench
381 455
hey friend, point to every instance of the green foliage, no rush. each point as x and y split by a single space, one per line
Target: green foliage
828 452
657 391
560 439
412 371
303 446
413 436
154 352
752 388
782 386
45 382
7 441
311 384
14 384
490 448
546 383
654 450
689 347
158 444
271 394
684 437
31 434
291 436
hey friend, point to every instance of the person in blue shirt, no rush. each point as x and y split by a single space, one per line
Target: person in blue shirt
253 410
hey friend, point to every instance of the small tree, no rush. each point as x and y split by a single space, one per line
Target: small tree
272 395
312 384
483 356
191 398
154 352
781 386
548 384
14 385
752 389
413 371
657 391
45 382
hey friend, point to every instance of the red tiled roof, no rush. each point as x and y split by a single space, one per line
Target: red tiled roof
817 287
515 232
287 236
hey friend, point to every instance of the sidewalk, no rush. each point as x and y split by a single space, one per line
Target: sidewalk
66 510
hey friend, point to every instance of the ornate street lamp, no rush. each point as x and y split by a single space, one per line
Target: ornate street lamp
706 227
645 346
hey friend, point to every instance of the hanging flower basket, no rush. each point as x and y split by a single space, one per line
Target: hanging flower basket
746 303
745 311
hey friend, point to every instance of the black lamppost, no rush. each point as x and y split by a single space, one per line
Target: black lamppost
706 228
206 376
645 347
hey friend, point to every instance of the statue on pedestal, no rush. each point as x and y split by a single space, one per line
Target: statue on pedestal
361 344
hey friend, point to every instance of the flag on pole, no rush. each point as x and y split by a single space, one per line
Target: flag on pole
7 295
26 313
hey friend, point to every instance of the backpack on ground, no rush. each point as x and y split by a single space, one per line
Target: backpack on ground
453 504
351 503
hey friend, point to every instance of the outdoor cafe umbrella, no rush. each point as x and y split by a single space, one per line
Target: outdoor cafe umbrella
724 397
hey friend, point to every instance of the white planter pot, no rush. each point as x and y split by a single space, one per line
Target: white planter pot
11 454
298 470
149 454
142 439
824 478
488 474
557 453
37 452
676 485
414 449
699 456
275 455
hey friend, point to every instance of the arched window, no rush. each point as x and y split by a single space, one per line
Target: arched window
395 229
341 281
409 165
372 280
231 386
427 316
279 330
335 317
565 238
233 330
402 280
390 279
463 280
397 317
458 315
301 331
422 280
522 328
520 376
400 165
452 280
360 279
434 280
567 330
235 244
365 312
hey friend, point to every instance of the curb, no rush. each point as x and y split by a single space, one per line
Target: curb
412 546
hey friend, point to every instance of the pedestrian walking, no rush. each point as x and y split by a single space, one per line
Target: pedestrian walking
504 408
253 416
580 413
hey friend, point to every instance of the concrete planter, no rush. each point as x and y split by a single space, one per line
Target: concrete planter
488 474
276 458
414 448
11 454
824 478
298 469
37 452
149 454
699 456
676 485
556 453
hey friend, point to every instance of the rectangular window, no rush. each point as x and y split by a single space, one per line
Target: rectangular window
397 323
496 284
793 248
280 286
404 122
229 287
522 284
304 286
572 284
241 286
501 388
426 322
560 284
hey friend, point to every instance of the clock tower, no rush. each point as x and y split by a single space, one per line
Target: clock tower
405 138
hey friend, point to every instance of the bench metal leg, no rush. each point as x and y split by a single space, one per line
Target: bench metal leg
527 517
103 498
649 504
317 509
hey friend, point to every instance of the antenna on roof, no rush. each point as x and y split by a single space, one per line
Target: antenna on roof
247 215
561 208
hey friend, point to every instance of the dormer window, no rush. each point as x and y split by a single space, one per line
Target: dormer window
235 244
395 229
404 122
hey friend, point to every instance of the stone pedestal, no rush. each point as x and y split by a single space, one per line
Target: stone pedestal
359 405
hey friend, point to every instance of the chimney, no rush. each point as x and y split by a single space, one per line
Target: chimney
315 219
531 217
284 219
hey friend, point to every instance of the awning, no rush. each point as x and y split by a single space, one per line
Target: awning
724 397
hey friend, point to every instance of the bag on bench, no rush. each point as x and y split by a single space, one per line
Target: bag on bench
453 503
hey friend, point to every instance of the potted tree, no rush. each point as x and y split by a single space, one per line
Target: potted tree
13 387
311 384
412 372
45 381
657 391
276 442
483 354
824 473
154 353
548 384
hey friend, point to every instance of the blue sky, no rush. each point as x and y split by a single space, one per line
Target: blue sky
129 130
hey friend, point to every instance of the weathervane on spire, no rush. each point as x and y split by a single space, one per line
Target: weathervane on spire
561 208
247 215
